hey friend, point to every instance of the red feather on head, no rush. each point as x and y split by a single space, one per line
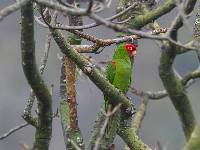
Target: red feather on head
131 49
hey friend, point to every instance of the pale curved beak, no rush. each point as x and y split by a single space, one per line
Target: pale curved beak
134 53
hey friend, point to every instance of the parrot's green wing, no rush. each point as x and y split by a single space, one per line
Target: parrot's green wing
119 75
118 72
110 72
122 75
110 75
119 54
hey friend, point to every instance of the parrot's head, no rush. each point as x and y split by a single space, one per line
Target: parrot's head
131 49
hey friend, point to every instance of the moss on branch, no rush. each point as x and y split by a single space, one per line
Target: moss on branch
139 115
175 90
68 133
68 105
44 120
172 84
129 135
194 142
131 139
142 20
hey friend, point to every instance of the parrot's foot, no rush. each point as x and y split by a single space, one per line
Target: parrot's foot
130 111
88 68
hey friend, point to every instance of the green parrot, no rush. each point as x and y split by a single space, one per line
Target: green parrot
118 72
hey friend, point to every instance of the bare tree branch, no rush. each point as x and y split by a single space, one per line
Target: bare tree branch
12 8
65 27
13 130
190 76
162 94
59 7
72 131
139 115
137 32
194 141
142 20
44 125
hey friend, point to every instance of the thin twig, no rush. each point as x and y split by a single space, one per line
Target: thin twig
25 146
46 52
151 95
13 130
12 8
99 42
74 144
59 7
142 34
139 115
159 145
186 82
96 24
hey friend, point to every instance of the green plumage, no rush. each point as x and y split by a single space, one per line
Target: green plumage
119 71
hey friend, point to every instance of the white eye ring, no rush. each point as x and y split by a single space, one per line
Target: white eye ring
134 53
130 48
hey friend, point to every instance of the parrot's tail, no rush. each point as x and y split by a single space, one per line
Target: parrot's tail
113 123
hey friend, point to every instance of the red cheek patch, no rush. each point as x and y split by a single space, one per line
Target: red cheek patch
131 49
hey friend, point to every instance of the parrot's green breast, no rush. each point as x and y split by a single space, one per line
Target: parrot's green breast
119 73
122 76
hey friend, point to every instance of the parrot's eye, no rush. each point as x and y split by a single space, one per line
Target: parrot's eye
131 49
